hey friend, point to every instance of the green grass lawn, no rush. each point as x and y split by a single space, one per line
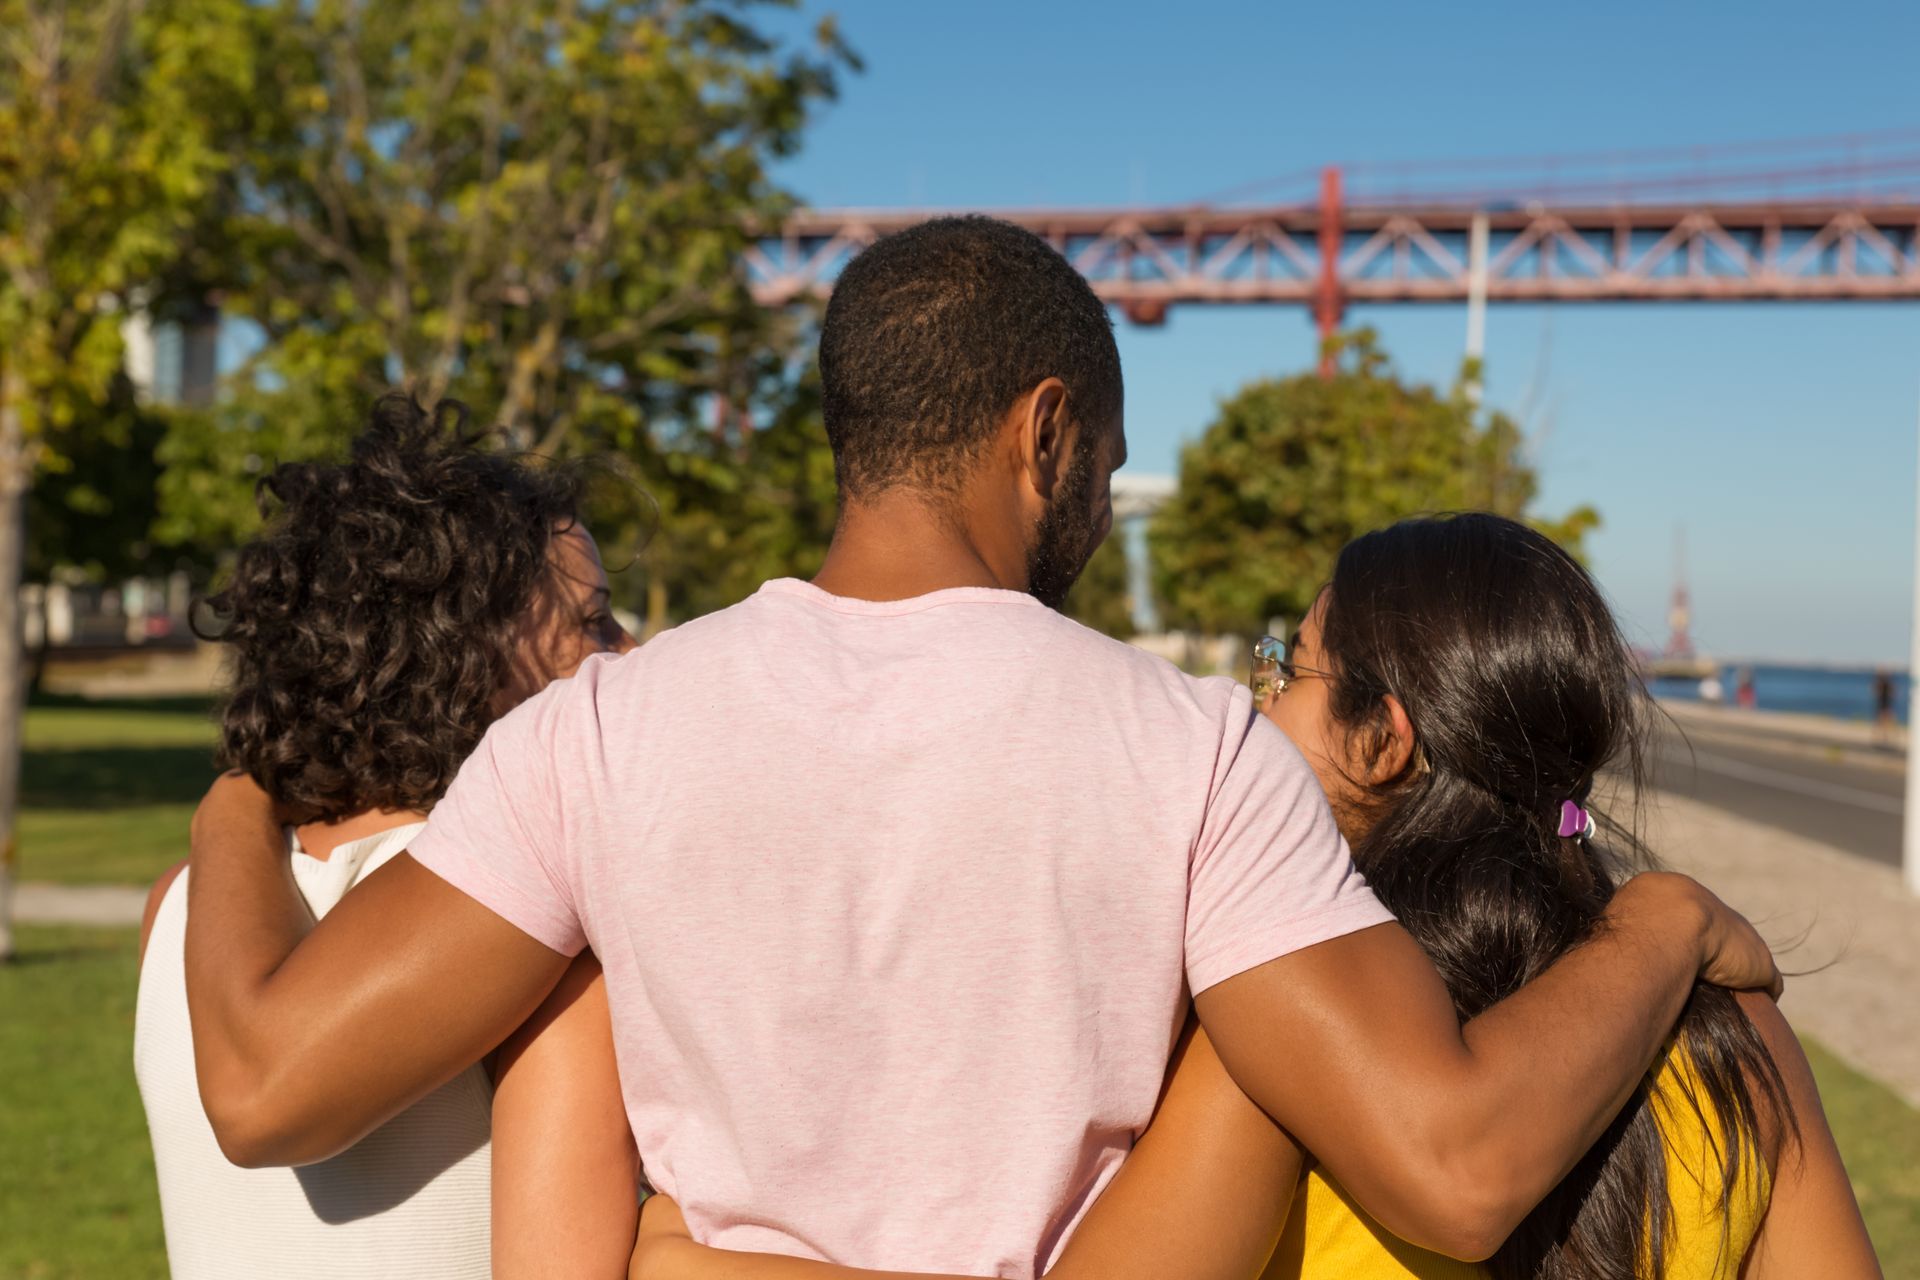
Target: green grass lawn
106 788
77 1196
1879 1137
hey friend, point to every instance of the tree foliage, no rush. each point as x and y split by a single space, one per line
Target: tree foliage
737 505
1293 469
92 509
111 142
540 208
109 113
1103 597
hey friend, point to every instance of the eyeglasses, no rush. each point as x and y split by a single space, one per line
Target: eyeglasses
1273 670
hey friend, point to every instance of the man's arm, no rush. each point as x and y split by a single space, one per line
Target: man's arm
1450 1135
308 1037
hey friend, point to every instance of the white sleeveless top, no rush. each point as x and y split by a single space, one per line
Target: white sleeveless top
409 1202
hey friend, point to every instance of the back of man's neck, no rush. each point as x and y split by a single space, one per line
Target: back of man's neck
898 545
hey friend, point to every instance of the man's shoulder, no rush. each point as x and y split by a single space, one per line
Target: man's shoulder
676 645
1118 664
714 643
668 653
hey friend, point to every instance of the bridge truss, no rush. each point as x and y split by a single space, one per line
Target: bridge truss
1145 261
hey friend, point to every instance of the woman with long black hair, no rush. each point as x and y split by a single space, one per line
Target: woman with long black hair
1465 697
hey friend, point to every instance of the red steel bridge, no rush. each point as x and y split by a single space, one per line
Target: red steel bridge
1830 219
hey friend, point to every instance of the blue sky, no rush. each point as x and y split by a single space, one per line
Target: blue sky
1783 436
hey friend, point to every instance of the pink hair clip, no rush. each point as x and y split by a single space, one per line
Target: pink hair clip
1575 821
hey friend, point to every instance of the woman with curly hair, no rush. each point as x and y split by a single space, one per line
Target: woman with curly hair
393 607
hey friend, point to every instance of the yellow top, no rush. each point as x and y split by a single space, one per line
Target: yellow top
1327 1234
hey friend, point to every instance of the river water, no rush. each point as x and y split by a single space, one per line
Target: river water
1846 693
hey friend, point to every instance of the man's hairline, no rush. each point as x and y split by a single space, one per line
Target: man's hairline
971 454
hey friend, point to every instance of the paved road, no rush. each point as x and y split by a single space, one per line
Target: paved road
95 904
1846 803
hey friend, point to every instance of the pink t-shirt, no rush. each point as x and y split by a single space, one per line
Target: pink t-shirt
899 904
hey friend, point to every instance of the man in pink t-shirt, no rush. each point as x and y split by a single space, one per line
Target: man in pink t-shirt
963 990
901 880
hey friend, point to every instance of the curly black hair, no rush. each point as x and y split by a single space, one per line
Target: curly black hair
371 622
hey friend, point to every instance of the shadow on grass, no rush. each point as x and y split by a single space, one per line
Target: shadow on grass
199 704
114 777
50 955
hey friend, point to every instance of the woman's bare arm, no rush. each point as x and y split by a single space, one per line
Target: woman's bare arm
565 1174
1813 1224
1203 1196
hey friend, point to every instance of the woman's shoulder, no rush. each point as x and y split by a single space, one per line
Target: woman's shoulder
155 897
1789 1059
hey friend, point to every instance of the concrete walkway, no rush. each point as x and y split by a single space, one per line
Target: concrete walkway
1846 918
1828 736
93 904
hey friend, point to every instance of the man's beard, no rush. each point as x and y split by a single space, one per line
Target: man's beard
1066 538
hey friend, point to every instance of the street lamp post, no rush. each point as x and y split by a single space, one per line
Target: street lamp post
1476 301
1911 854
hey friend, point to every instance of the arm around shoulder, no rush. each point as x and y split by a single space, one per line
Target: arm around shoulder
1371 1046
308 1037
1450 1135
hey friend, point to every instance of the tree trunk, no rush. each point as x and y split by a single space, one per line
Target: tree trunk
656 608
13 491
37 677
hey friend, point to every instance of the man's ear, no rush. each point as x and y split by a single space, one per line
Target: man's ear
1394 747
1045 436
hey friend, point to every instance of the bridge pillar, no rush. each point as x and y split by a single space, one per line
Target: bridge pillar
1328 306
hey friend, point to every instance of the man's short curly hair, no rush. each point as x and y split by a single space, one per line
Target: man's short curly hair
933 333
372 621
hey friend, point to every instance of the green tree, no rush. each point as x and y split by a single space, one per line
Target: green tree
109 114
92 508
1293 469
540 208
1103 597
738 503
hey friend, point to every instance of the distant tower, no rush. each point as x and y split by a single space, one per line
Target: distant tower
1680 615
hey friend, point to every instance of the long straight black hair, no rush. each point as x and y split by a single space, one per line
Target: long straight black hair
1521 691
